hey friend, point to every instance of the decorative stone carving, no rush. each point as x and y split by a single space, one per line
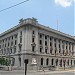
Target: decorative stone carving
28 20
21 20
34 61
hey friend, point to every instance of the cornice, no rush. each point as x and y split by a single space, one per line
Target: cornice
34 22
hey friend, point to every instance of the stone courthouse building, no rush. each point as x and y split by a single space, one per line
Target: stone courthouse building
41 45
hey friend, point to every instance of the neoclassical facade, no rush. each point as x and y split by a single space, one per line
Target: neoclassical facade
41 45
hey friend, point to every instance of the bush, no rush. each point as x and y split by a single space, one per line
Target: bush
4 61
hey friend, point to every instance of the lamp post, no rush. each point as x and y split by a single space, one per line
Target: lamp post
26 62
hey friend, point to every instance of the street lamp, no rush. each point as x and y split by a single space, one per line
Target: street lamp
26 62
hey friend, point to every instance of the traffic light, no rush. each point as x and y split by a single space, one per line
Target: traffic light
26 61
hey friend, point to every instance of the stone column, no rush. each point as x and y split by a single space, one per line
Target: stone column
68 47
71 49
23 40
22 61
49 61
43 43
74 49
58 62
53 51
57 46
18 41
64 46
44 62
37 41
49 45
17 61
28 40
61 47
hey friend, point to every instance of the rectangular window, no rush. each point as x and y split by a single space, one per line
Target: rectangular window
50 43
52 62
40 42
32 39
41 50
66 47
15 50
40 35
15 36
47 61
46 43
20 33
8 43
11 43
33 48
20 39
46 51
12 37
6 39
0 46
51 50
33 32
3 40
5 44
50 38
59 45
15 42
10 50
74 62
45 37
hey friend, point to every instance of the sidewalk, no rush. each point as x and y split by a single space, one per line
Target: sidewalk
39 72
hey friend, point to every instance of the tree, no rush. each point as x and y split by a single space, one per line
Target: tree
4 61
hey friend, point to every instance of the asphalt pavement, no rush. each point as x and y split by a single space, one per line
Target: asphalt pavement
21 72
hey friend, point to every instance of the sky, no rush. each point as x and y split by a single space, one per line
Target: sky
51 13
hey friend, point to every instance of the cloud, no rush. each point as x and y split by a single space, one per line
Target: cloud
64 3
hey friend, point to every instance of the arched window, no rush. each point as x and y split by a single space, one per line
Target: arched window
56 62
52 62
74 62
41 61
68 62
71 62
47 61
61 63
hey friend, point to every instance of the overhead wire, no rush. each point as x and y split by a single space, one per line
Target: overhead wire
13 6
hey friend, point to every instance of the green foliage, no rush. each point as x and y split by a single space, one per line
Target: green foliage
4 61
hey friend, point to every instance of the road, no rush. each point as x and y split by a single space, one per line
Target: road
37 73
65 73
